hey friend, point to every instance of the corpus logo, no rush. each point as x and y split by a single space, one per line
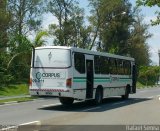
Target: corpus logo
38 75
47 75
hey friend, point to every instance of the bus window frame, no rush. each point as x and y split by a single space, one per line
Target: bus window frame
33 59
84 62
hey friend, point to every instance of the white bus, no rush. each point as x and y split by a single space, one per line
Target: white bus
78 74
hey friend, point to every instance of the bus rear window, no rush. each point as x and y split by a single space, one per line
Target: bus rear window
53 58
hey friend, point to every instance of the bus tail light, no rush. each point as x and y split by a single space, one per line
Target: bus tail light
30 82
69 82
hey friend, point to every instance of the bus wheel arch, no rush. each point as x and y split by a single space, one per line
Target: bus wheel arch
99 95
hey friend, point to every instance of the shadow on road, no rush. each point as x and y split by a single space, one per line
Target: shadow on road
89 106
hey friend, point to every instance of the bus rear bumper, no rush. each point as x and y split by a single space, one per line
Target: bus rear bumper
51 92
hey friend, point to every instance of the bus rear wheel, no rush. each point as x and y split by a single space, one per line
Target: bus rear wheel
126 95
98 96
66 100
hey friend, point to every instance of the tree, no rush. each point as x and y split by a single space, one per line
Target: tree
19 63
139 48
115 32
39 41
149 75
99 10
110 21
62 10
70 29
120 30
151 3
5 18
26 15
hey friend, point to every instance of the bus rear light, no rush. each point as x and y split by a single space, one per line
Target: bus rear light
30 82
69 82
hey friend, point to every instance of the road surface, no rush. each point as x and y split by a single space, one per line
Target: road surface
142 108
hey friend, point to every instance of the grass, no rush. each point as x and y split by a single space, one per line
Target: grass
139 85
14 90
23 99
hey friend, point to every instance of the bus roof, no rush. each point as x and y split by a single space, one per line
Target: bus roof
85 51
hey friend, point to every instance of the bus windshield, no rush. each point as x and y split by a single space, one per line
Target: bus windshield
52 58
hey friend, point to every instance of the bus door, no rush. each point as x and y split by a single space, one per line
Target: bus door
89 77
134 78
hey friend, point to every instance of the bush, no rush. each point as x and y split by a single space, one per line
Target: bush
149 75
5 79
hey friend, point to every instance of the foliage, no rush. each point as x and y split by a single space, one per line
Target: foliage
149 75
119 29
5 18
101 11
115 33
151 3
5 76
69 30
139 35
113 27
25 15
38 39
16 89
16 63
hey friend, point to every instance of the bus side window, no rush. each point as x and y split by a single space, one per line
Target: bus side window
113 66
127 67
97 64
120 67
79 62
104 65
107 65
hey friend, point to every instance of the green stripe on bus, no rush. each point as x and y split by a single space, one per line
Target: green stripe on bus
125 78
102 79
99 79
79 79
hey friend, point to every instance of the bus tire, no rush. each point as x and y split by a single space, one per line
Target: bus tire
66 100
98 96
126 95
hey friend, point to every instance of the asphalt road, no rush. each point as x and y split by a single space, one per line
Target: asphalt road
141 108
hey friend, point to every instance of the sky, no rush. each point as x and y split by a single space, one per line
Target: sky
147 12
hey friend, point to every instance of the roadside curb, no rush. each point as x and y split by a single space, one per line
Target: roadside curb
6 103
34 125
148 87
12 102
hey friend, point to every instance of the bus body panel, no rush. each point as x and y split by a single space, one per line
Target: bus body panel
48 78
113 85
50 82
51 67
79 85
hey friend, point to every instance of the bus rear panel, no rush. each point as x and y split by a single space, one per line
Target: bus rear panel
50 73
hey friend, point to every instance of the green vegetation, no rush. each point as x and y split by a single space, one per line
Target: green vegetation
113 26
23 99
14 90
148 75
139 85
